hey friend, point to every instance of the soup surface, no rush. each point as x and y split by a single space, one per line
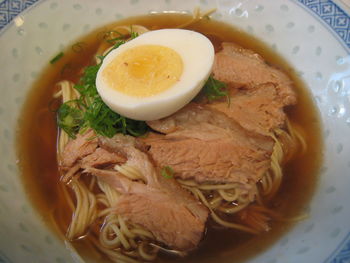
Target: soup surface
37 139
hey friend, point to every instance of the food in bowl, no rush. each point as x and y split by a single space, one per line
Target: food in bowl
213 139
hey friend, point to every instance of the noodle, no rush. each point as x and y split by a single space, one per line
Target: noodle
220 221
130 172
114 255
197 16
85 211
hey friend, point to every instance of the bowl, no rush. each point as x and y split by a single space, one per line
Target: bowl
312 35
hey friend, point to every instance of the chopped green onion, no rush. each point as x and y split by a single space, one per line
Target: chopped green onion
89 111
56 58
167 172
69 119
215 89
133 34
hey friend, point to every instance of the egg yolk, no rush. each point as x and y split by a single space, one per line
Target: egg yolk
144 71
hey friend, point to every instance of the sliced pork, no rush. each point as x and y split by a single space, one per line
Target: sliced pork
258 92
241 67
83 152
141 161
83 145
102 158
180 225
257 109
207 146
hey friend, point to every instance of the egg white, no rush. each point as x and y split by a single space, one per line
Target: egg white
197 54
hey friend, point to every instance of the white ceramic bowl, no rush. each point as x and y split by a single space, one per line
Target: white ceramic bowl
313 35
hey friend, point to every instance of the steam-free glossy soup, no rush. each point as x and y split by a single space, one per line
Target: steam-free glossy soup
38 134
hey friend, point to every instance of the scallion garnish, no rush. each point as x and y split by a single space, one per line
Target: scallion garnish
70 118
56 58
89 111
167 172
215 89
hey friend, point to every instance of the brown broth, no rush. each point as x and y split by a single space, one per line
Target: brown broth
38 133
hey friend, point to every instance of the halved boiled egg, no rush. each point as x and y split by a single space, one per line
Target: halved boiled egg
155 74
